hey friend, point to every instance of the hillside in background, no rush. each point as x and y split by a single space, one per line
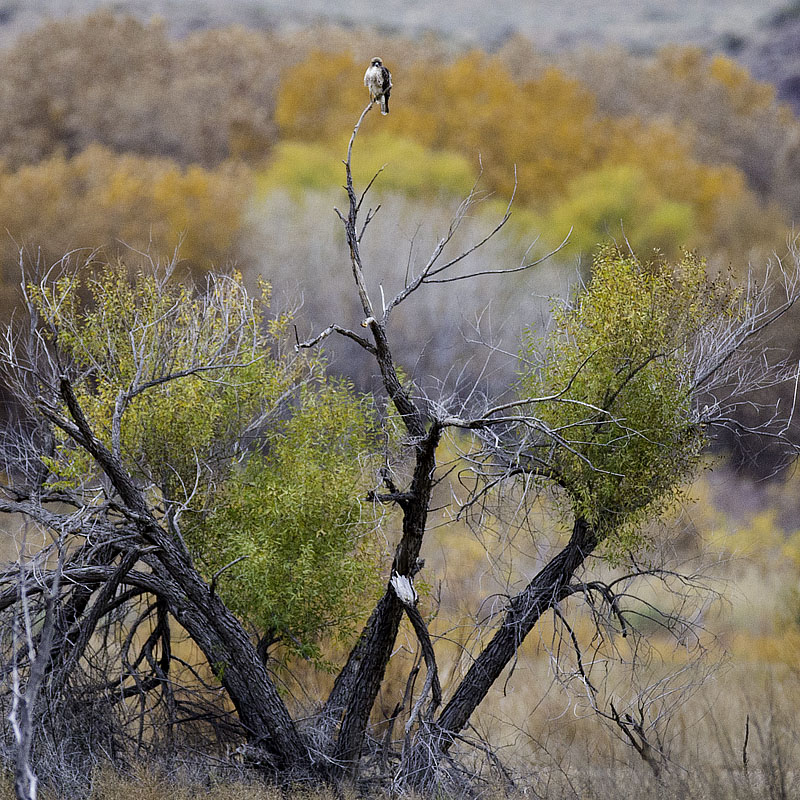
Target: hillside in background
764 36
551 24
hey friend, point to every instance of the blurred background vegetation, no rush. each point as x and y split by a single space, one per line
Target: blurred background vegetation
227 144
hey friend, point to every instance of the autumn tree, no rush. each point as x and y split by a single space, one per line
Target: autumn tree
108 79
191 470
100 199
573 158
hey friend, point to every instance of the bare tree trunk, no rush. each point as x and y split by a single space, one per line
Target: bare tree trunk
356 688
358 684
234 659
22 716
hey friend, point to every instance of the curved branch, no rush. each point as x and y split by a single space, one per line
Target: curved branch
507 271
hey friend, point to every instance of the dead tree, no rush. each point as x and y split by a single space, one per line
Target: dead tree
127 571
722 369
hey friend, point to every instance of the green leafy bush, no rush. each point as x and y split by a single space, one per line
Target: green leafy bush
261 456
619 364
311 563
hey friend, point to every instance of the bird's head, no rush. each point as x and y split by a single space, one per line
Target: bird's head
376 62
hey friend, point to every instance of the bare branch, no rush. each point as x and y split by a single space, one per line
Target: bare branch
370 348
507 271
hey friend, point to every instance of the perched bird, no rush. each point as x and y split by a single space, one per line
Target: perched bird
378 80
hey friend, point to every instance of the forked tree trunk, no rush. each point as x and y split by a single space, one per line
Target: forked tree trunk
546 589
236 663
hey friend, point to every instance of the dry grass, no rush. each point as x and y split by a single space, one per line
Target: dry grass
553 743
568 759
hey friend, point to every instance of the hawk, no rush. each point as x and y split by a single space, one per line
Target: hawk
378 80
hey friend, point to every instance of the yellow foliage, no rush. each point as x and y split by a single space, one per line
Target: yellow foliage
665 158
791 549
760 538
747 95
723 115
99 200
542 132
621 200
472 106
410 168
779 648
691 67
112 80
682 63
545 127
320 98
300 167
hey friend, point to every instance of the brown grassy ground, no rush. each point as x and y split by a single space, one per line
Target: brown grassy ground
553 743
